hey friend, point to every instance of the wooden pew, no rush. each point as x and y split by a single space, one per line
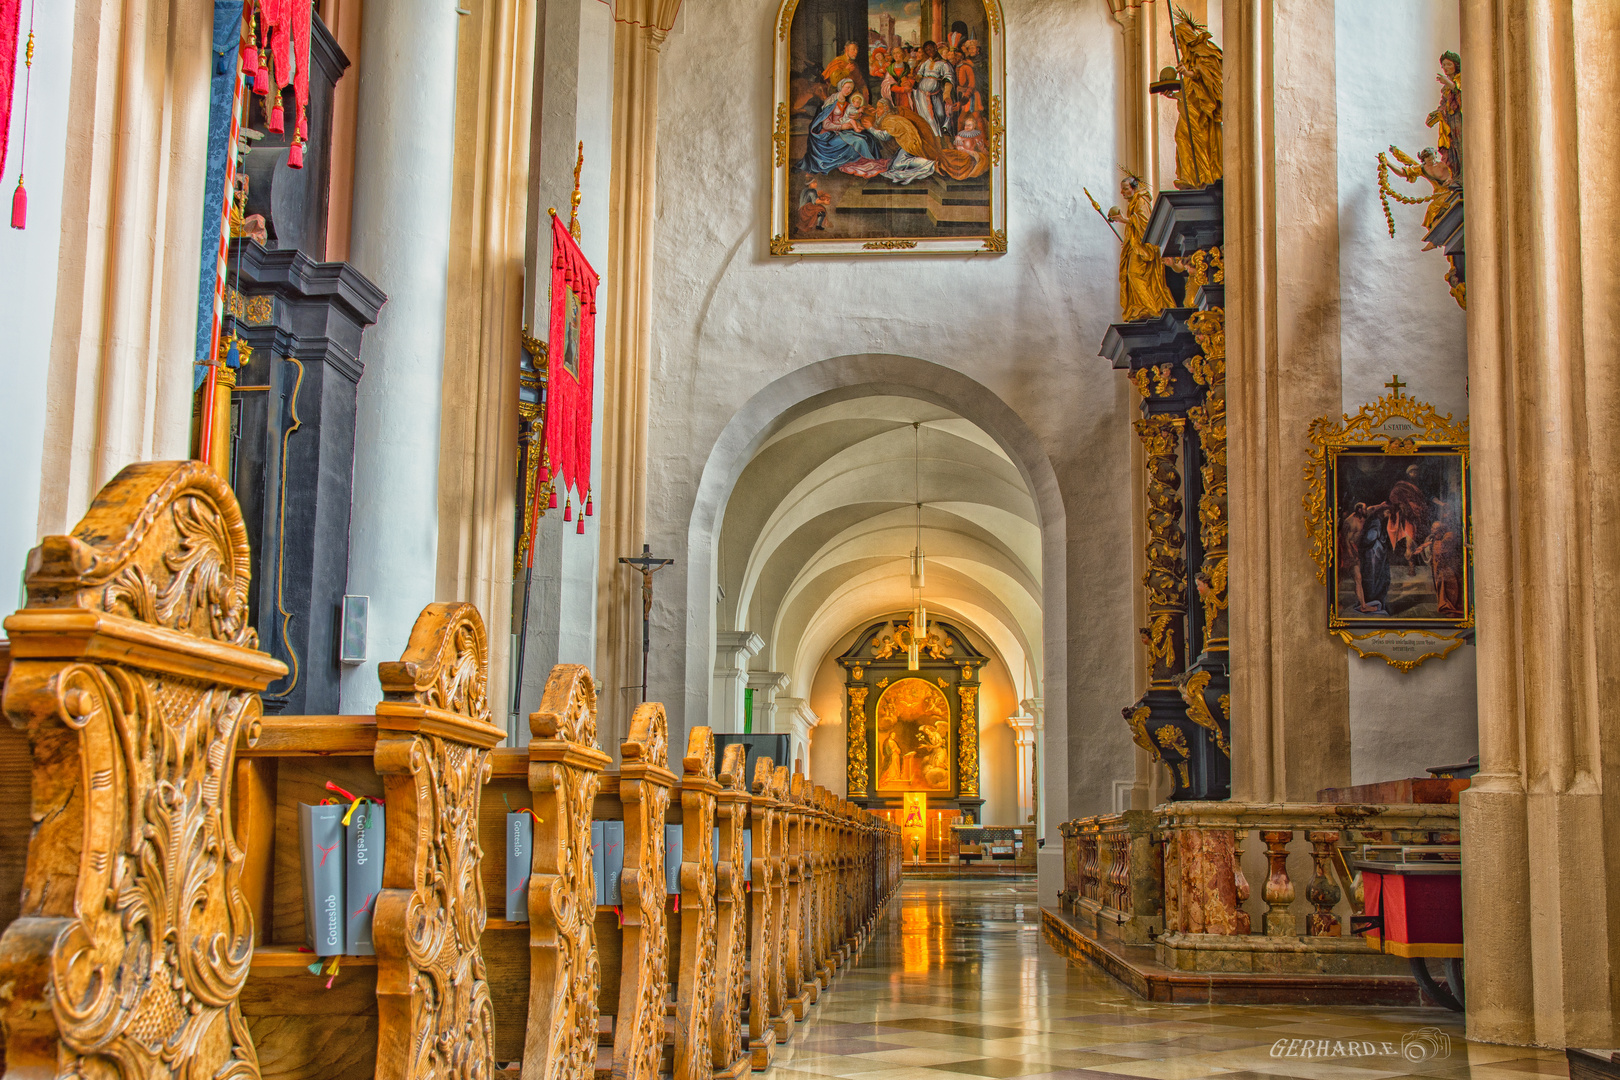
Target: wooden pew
422 1005
133 671
766 1024
162 889
727 1035
694 986
564 774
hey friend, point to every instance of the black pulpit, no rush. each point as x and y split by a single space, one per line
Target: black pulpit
294 400
294 455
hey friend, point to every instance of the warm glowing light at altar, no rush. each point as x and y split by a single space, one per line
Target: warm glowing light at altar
914 824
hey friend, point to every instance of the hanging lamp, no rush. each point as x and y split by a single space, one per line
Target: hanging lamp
919 614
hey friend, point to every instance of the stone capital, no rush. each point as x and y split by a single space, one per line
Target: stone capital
767 684
733 649
795 717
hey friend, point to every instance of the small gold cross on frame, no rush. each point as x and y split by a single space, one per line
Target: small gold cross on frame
1395 384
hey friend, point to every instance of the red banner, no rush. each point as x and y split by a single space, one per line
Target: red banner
571 365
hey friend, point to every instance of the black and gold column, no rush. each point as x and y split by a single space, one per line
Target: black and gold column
1206 687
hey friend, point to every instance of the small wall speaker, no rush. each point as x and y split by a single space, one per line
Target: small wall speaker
352 629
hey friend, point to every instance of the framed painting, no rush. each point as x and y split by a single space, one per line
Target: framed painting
1388 514
888 135
912 728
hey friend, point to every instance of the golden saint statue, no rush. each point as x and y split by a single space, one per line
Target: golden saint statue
1143 293
1198 100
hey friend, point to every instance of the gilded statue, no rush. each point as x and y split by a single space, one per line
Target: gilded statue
1197 93
1143 293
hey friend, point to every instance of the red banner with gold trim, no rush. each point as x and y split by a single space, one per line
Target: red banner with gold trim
571 365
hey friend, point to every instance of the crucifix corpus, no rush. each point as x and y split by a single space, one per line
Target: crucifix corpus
647 565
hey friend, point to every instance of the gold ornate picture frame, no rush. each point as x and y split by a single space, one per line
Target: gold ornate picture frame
888 133
1387 511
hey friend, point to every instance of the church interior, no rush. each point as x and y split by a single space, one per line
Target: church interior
1110 563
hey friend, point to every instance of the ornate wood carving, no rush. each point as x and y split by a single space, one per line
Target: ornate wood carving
827 883
1209 420
797 893
134 670
785 930
857 740
695 989
967 742
565 768
644 787
433 741
766 999
1165 578
731 930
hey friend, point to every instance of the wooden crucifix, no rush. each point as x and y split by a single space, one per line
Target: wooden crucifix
647 565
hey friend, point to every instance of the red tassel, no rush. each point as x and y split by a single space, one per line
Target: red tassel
551 503
545 474
261 80
581 529
250 61
295 155
19 206
568 511
588 504
277 121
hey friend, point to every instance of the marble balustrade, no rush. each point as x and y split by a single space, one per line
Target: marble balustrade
1181 876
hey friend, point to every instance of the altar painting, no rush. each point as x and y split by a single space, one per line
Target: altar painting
1402 553
888 127
913 728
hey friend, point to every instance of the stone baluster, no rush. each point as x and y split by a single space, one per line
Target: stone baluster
565 767
644 787
1122 871
1240 883
1322 892
1279 891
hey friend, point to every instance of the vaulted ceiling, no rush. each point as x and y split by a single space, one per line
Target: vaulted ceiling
819 528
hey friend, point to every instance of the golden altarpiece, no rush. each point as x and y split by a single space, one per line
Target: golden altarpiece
1171 341
914 730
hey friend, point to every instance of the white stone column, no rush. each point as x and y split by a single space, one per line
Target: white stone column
404 162
732 651
766 685
1023 725
794 718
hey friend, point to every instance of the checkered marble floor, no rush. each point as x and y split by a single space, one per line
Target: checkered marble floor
957 984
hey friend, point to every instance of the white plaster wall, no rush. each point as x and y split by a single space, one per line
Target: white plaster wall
28 285
1397 317
1025 326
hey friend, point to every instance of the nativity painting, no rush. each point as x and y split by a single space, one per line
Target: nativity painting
888 130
